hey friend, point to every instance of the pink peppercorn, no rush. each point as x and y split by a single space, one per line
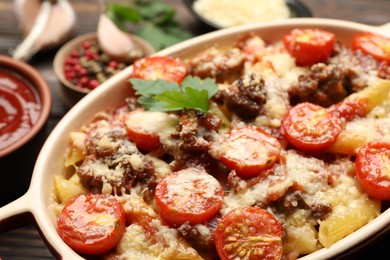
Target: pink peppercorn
83 72
70 75
113 64
69 60
75 54
87 45
68 68
93 83
84 81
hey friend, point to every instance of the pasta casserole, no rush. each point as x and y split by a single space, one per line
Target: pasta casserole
262 150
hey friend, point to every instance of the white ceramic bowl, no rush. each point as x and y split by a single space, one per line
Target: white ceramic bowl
36 202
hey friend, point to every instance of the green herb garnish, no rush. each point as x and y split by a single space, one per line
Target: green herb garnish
161 95
154 21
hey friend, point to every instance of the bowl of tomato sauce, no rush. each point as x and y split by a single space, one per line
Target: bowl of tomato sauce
25 101
112 93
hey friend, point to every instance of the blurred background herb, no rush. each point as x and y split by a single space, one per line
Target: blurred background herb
153 21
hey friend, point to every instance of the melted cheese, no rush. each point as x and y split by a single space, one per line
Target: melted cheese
272 187
279 72
152 122
160 242
310 173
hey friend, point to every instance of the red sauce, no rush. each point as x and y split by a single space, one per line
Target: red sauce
20 107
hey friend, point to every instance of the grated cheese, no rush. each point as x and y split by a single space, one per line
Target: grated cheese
228 13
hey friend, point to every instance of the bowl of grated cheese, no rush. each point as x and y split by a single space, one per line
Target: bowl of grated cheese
217 14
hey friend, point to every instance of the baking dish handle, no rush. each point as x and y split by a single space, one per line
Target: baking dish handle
16 214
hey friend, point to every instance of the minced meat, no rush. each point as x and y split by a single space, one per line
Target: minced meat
245 98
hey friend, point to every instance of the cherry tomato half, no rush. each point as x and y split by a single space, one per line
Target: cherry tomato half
349 109
372 44
373 169
249 233
166 68
144 128
137 124
309 46
310 127
188 195
248 151
92 224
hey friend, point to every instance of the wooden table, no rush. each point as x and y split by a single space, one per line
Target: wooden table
25 242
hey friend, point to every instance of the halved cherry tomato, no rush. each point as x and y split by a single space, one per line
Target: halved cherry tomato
372 44
188 195
349 109
248 151
144 128
373 169
92 224
310 127
309 46
249 233
166 68
145 141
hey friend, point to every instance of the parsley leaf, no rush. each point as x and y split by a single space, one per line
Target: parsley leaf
156 11
162 36
151 20
121 14
161 95
208 84
153 87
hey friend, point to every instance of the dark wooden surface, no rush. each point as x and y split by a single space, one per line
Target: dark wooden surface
16 169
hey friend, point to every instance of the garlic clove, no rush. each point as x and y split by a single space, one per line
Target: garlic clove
59 27
26 12
115 43
44 24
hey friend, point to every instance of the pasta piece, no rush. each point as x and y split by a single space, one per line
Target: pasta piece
67 189
373 95
345 220
360 132
302 235
363 130
161 168
135 244
223 114
57 208
76 150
